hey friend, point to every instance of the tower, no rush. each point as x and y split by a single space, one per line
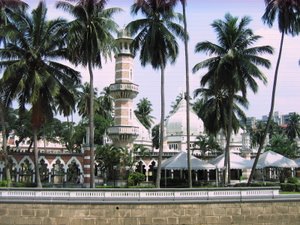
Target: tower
123 91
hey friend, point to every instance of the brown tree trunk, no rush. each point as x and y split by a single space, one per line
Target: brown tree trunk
4 145
266 131
187 96
162 127
91 127
227 174
36 160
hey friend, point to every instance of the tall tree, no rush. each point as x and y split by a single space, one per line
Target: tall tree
143 111
212 108
90 38
234 65
32 75
293 126
157 44
84 100
287 13
6 5
106 104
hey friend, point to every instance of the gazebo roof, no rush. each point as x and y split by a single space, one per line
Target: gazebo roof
179 162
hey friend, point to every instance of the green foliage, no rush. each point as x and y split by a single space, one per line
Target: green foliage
155 136
135 178
208 143
293 180
293 126
287 187
3 183
143 111
281 144
108 157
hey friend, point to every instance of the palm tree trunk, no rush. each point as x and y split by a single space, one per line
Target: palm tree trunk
162 127
187 80
227 175
91 127
4 145
262 141
36 160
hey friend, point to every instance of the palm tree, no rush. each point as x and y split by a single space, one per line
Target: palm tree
143 111
6 5
90 39
212 108
234 64
106 104
293 126
31 73
187 85
84 100
157 44
287 13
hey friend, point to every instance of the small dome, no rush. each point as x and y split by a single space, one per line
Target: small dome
176 123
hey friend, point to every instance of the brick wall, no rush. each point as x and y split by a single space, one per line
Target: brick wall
271 213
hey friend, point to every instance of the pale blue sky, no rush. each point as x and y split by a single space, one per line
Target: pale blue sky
200 14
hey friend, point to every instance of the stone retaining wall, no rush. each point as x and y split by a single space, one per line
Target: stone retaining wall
256 213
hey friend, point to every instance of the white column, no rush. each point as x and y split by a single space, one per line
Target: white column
207 175
18 175
147 175
49 176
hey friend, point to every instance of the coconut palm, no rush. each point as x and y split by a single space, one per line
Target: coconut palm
157 44
213 106
143 111
6 5
89 39
287 13
187 86
293 126
105 104
83 100
234 64
5 8
32 75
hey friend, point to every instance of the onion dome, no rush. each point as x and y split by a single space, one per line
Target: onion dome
176 123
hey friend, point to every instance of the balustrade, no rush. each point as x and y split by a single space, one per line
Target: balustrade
138 195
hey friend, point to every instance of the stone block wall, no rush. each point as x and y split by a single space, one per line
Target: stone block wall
269 213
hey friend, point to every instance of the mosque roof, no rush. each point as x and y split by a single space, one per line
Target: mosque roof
176 123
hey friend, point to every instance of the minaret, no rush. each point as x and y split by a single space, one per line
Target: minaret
123 91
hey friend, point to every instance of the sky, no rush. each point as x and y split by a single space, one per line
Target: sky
200 15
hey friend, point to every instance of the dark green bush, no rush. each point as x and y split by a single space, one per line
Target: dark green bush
135 178
293 180
287 187
297 188
3 183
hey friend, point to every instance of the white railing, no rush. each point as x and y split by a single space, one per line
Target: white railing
123 130
124 86
137 195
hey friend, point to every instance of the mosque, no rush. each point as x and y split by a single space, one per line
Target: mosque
60 166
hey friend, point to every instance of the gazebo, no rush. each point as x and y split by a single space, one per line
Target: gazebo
179 162
275 162
237 163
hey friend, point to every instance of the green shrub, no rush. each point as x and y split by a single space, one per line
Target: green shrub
293 180
3 183
297 187
135 178
287 187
